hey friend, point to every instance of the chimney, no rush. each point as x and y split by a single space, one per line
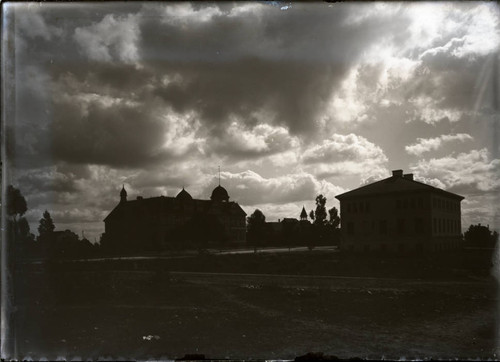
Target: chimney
408 176
398 173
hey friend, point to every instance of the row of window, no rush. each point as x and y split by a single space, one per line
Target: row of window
446 205
405 203
359 206
234 222
403 227
410 203
445 226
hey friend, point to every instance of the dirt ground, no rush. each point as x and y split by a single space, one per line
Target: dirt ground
141 314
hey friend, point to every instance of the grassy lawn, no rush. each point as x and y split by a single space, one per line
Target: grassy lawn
146 311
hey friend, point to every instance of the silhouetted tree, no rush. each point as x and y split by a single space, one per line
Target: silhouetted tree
46 228
320 213
16 203
334 217
17 226
256 227
318 231
311 215
480 235
333 226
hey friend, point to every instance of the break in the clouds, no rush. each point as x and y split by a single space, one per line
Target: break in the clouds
431 144
345 154
291 100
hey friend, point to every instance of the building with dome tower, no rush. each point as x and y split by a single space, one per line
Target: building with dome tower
162 223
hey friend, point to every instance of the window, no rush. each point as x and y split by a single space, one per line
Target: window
350 228
420 202
412 203
398 204
419 226
434 226
366 229
401 227
349 207
367 206
405 203
383 227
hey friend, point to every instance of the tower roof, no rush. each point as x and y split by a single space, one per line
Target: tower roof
183 195
219 194
123 195
303 214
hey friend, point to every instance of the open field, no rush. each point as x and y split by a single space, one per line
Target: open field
162 311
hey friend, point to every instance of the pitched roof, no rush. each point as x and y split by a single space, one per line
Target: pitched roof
395 184
169 204
303 214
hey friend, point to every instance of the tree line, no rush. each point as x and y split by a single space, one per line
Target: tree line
49 243
321 230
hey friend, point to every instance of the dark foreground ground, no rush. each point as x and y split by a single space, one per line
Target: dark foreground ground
168 309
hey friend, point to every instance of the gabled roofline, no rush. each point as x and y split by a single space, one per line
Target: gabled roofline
426 187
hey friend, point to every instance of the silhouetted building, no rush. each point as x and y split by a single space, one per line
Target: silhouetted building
162 222
400 214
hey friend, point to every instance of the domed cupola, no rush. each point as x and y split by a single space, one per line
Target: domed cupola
184 196
219 194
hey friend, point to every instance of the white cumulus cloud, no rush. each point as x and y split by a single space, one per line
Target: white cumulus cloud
467 173
113 38
431 144
345 154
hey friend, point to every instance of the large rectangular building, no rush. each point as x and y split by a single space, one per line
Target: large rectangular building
400 214
160 223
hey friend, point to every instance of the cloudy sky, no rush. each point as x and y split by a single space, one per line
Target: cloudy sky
290 99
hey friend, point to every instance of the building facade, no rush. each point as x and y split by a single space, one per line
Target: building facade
159 223
400 214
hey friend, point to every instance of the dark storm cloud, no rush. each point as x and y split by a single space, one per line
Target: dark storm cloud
260 65
293 93
45 181
121 135
287 63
